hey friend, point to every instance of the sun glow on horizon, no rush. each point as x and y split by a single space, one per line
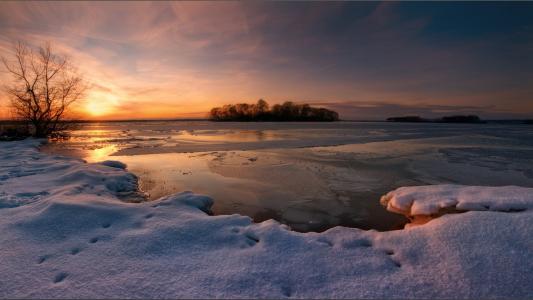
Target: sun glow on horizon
181 58
99 104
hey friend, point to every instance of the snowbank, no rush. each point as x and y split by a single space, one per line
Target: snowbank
432 199
68 231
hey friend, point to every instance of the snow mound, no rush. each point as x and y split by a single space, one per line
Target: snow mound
27 175
433 199
70 231
203 203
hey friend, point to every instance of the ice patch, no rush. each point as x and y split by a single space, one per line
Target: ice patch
114 164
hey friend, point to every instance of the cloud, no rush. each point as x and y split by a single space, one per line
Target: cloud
189 56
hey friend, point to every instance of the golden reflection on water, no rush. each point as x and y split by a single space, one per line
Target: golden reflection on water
100 153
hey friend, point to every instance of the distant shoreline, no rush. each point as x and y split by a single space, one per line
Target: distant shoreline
490 121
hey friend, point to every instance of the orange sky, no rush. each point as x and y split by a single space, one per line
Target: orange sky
366 60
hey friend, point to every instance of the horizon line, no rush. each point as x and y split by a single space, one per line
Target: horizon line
207 119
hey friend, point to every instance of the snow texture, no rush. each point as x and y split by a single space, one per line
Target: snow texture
430 200
70 231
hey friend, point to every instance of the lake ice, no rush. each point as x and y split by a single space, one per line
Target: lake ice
310 176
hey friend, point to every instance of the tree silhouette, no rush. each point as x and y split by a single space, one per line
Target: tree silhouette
288 111
44 86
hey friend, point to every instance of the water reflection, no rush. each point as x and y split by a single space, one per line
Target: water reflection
308 188
301 194
100 153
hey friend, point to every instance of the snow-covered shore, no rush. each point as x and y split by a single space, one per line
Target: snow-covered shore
66 233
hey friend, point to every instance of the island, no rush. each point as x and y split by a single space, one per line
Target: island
261 111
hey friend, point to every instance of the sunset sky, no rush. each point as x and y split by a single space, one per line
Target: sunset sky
367 60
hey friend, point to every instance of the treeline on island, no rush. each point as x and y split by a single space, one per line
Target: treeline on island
261 111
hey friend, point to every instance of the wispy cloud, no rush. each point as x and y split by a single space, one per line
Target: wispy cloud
185 57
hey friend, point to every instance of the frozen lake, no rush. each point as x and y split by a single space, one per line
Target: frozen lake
311 176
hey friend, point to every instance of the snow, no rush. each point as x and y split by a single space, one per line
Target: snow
69 230
428 200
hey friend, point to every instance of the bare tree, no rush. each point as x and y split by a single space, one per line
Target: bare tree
44 86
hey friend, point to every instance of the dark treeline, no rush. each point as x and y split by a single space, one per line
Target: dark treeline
261 111
12 130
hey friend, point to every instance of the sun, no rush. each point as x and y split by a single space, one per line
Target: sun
94 108
100 104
